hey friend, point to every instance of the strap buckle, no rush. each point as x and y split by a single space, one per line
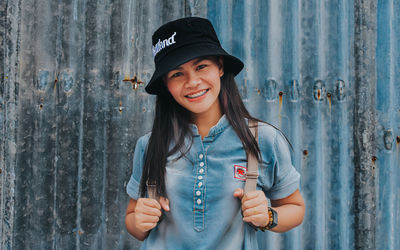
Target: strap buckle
251 175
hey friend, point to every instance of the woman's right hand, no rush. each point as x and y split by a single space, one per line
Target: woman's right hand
147 212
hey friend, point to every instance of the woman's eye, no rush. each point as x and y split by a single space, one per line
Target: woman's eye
176 74
202 66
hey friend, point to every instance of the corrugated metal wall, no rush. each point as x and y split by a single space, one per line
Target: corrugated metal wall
72 106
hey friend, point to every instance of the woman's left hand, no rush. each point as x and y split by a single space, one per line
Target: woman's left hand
254 207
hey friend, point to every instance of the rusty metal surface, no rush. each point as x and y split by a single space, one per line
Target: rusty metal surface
72 105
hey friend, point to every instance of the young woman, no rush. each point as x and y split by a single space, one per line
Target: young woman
194 160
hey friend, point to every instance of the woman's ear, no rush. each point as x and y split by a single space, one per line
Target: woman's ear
221 66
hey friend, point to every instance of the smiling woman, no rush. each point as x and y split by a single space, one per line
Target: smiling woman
195 85
190 171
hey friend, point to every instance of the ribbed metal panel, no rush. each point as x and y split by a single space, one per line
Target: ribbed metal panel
388 125
297 75
73 104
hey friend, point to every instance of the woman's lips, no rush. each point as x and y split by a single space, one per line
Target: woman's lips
197 94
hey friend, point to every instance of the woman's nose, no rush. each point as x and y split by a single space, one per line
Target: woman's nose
193 79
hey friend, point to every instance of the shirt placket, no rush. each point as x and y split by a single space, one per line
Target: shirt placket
199 192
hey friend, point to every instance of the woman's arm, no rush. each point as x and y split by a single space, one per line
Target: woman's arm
143 214
290 211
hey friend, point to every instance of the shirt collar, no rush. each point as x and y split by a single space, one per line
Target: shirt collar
221 125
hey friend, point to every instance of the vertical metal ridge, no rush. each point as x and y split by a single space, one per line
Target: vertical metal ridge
313 103
58 52
80 164
273 23
126 41
321 40
3 85
395 119
223 22
322 126
197 8
364 123
250 76
103 61
293 239
10 101
345 169
104 185
386 98
320 174
81 131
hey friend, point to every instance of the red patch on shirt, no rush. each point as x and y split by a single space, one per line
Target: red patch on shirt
240 172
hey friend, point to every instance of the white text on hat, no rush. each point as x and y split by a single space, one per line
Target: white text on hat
165 43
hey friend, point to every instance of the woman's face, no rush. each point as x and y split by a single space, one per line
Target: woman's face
195 85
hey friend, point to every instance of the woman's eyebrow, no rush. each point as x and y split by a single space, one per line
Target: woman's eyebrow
199 60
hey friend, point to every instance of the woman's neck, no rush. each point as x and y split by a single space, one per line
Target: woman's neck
205 121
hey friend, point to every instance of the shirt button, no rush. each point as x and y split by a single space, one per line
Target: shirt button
200 177
198 201
200 184
201 164
198 193
201 170
201 156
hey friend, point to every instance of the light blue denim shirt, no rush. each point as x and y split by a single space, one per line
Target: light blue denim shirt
203 212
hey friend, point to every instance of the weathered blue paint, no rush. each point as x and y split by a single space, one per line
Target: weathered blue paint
388 114
72 106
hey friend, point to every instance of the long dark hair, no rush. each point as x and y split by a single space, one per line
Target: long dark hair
172 125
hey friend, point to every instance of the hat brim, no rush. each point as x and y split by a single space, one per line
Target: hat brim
185 54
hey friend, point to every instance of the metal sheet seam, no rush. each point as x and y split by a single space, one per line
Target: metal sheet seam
56 142
81 134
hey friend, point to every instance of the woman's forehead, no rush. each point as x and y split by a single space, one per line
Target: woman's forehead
197 60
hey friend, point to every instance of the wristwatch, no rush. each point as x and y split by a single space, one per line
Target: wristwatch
272 220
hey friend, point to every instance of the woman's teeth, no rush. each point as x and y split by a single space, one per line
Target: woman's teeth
197 94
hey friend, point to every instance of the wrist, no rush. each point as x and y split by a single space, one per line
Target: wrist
272 220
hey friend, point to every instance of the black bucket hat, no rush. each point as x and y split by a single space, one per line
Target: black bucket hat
182 40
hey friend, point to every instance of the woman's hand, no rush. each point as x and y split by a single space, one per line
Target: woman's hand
290 209
143 214
254 207
148 212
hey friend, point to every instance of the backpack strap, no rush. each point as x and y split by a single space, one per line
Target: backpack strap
252 164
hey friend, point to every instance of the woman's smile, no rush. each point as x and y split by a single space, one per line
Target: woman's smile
196 95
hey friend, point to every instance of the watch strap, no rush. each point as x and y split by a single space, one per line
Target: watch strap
272 220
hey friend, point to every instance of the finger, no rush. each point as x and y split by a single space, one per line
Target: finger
164 202
152 211
256 220
253 194
144 218
258 201
151 203
238 193
147 226
254 211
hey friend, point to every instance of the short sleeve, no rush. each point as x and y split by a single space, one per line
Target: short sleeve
138 160
280 177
